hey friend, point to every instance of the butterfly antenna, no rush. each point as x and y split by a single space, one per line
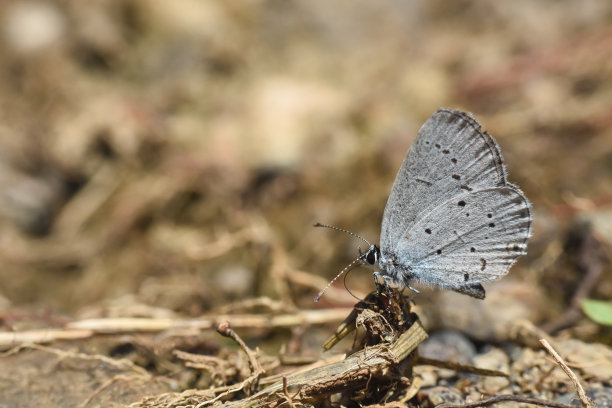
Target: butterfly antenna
318 224
346 268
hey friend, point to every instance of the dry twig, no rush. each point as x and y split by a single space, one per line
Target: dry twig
226 330
586 402
83 329
506 398
249 383
459 367
16 338
287 398
257 321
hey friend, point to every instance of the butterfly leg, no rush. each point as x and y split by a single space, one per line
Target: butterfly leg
377 275
415 292
386 280
385 283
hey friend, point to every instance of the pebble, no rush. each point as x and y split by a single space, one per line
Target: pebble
493 359
439 395
448 345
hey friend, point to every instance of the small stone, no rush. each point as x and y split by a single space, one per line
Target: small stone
494 359
601 397
439 395
448 345
428 374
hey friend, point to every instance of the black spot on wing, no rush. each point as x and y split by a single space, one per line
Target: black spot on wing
427 183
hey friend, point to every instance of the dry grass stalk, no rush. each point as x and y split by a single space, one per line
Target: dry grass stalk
586 402
507 398
460 367
83 329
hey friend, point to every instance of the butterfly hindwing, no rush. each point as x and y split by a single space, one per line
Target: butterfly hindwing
471 238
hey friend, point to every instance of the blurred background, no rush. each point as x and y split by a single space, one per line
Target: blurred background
173 156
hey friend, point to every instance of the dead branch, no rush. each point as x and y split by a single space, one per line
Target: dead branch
256 370
506 398
459 367
586 402
90 327
351 373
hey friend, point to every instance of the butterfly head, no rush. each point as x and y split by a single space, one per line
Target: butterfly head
371 256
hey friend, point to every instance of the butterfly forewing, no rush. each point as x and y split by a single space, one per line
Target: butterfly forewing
450 156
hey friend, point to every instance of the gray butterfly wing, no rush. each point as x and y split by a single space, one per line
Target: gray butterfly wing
471 238
450 156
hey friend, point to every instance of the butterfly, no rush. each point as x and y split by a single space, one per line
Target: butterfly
452 219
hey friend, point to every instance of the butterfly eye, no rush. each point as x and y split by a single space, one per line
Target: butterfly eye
372 255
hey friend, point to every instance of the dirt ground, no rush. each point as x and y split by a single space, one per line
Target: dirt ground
162 164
